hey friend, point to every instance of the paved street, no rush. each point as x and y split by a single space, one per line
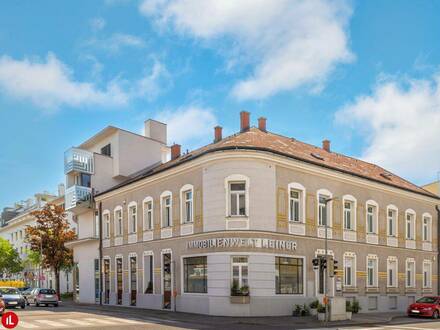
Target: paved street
70 316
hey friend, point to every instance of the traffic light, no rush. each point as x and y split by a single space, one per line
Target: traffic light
332 267
335 266
323 264
315 263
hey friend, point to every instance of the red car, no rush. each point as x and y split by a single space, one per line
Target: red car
425 306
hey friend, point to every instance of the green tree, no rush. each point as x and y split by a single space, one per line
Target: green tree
10 262
49 235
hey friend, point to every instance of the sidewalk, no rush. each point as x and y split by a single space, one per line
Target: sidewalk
224 322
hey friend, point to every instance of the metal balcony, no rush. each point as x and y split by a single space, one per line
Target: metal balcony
78 160
77 196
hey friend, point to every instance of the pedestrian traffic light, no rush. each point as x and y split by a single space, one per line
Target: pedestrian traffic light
323 264
315 263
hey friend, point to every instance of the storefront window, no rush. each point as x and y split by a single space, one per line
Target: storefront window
195 275
289 275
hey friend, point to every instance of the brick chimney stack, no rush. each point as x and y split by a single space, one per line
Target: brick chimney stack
217 134
175 151
262 124
244 121
326 145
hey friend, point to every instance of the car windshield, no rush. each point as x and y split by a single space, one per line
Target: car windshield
8 291
47 291
427 300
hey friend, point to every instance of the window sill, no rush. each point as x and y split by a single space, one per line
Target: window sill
236 217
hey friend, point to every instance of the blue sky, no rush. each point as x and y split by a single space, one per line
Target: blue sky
364 74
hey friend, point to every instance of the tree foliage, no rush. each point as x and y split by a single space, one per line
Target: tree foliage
10 262
49 235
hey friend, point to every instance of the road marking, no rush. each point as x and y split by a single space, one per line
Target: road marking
102 321
123 320
27 325
77 322
52 323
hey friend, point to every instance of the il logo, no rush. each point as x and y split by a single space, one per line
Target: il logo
10 320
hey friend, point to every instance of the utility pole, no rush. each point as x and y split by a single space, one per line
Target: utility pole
326 299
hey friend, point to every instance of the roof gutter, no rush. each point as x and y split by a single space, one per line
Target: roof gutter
229 148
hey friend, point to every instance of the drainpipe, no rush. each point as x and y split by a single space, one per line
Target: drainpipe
438 245
100 252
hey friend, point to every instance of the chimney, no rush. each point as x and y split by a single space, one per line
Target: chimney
326 145
262 124
217 134
175 151
155 130
244 121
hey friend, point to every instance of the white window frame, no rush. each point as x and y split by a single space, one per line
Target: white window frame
145 285
375 270
166 194
351 256
146 201
183 201
118 220
233 179
394 209
328 195
132 227
392 264
410 261
240 265
412 224
427 227
106 224
353 211
375 215
130 255
428 269
301 201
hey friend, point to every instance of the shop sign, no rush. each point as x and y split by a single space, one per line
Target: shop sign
237 242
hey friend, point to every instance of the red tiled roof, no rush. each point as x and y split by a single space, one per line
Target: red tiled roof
255 139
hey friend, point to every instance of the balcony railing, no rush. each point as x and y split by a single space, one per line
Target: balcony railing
76 196
78 160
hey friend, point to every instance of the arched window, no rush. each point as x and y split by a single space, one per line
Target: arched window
106 224
187 204
166 207
297 202
349 204
119 224
392 220
147 207
132 217
324 202
410 224
371 217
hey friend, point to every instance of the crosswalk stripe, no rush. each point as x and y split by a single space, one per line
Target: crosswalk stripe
123 320
27 325
76 322
93 320
51 323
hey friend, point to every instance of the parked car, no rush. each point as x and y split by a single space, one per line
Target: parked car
40 296
2 305
12 297
26 293
425 306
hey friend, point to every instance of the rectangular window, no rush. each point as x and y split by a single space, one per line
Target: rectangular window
392 273
371 217
349 271
295 205
426 229
237 198
106 150
133 280
410 274
148 215
371 272
106 225
106 281
392 222
323 210
239 272
289 275
409 226
119 287
348 215
187 206
427 275
195 275
148 274
118 223
97 288
132 211
166 211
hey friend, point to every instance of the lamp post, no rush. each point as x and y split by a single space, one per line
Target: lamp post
326 201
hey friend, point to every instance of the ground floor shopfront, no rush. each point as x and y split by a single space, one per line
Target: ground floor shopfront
258 273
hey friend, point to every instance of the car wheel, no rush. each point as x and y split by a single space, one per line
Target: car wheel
435 314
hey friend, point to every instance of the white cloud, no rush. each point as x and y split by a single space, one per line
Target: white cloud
116 42
97 23
189 126
401 121
290 43
50 84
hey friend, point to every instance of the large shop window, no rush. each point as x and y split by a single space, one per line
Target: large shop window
289 275
195 275
237 198
240 269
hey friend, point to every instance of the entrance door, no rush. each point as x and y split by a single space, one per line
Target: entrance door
167 284
106 281
119 280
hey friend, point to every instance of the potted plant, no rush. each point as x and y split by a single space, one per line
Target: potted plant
305 310
239 295
355 306
321 312
297 310
314 307
244 290
348 309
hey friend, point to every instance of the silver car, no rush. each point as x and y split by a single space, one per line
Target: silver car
42 296
12 297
